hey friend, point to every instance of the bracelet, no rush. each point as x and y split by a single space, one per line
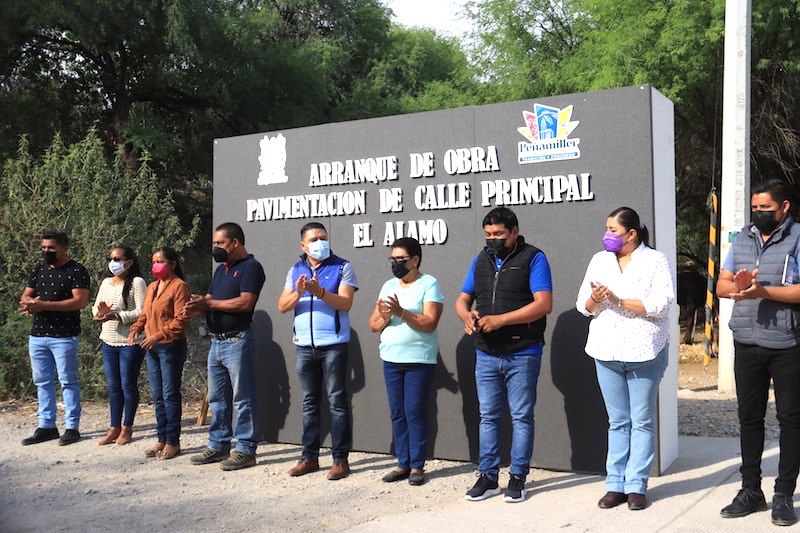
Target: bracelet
619 303
595 301
321 293
402 314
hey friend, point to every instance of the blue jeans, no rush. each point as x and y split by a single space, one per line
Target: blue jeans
629 392
511 379
164 369
122 365
326 366
49 354
232 385
408 387
754 368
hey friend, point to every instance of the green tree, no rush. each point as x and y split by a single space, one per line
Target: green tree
99 203
416 70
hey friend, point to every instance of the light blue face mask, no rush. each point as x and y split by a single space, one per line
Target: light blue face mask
319 250
116 267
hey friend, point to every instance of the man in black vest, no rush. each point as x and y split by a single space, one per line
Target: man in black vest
510 283
760 275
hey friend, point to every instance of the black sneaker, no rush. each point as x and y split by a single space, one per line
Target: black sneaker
238 460
484 488
208 456
70 436
41 435
515 492
746 502
783 510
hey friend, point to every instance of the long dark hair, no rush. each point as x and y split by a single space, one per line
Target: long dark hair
134 271
629 219
171 255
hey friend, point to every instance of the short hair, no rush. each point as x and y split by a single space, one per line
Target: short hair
232 231
410 245
776 188
501 215
310 226
55 235
629 219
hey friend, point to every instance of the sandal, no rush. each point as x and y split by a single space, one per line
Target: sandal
155 451
169 452
110 437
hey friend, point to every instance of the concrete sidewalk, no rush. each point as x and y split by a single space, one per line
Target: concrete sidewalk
703 480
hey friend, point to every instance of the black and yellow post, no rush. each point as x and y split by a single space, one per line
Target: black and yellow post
712 269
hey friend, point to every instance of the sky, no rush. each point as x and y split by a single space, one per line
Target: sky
441 15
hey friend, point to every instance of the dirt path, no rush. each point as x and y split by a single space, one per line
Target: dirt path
85 487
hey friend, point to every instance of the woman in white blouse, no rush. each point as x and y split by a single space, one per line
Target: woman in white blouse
118 305
628 292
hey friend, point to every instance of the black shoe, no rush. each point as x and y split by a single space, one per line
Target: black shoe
783 510
41 435
416 478
70 436
394 475
484 488
746 502
515 492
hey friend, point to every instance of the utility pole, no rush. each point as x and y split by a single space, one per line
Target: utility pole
735 204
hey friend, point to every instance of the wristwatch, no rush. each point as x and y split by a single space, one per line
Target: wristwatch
619 302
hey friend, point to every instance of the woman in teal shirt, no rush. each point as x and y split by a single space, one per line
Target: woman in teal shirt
406 315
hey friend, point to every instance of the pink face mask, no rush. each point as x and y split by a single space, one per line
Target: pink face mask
160 270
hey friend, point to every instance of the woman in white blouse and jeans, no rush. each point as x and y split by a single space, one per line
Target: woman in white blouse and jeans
628 292
118 305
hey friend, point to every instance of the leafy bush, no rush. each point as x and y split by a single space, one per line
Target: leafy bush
100 202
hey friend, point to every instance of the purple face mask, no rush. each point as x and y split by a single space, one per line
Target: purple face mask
612 242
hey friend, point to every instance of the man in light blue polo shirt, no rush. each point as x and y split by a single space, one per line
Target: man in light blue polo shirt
320 289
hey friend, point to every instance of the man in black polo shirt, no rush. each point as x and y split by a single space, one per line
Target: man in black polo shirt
58 288
229 306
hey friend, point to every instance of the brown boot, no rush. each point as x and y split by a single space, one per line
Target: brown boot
110 437
125 435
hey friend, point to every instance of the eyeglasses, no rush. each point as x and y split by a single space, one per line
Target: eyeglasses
399 259
117 259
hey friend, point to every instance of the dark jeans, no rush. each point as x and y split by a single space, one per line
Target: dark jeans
318 367
164 368
408 387
122 365
753 367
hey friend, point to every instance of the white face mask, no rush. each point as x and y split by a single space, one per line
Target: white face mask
116 267
319 250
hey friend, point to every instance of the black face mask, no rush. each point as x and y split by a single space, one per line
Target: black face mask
497 246
51 258
399 269
764 221
220 255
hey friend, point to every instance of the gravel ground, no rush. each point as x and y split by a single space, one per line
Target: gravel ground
85 487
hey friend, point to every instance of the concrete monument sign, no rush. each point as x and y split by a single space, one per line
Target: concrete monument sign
561 163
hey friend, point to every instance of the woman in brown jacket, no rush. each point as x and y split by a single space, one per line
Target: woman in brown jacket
164 323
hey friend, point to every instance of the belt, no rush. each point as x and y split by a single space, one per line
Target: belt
226 335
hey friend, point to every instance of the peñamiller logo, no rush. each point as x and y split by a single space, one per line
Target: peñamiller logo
547 130
272 160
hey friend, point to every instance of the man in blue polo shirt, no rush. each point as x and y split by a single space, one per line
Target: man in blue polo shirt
509 281
229 306
320 289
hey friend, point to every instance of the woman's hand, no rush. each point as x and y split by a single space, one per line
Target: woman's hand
149 342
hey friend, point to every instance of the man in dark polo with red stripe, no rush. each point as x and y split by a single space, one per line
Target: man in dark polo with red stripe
229 306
